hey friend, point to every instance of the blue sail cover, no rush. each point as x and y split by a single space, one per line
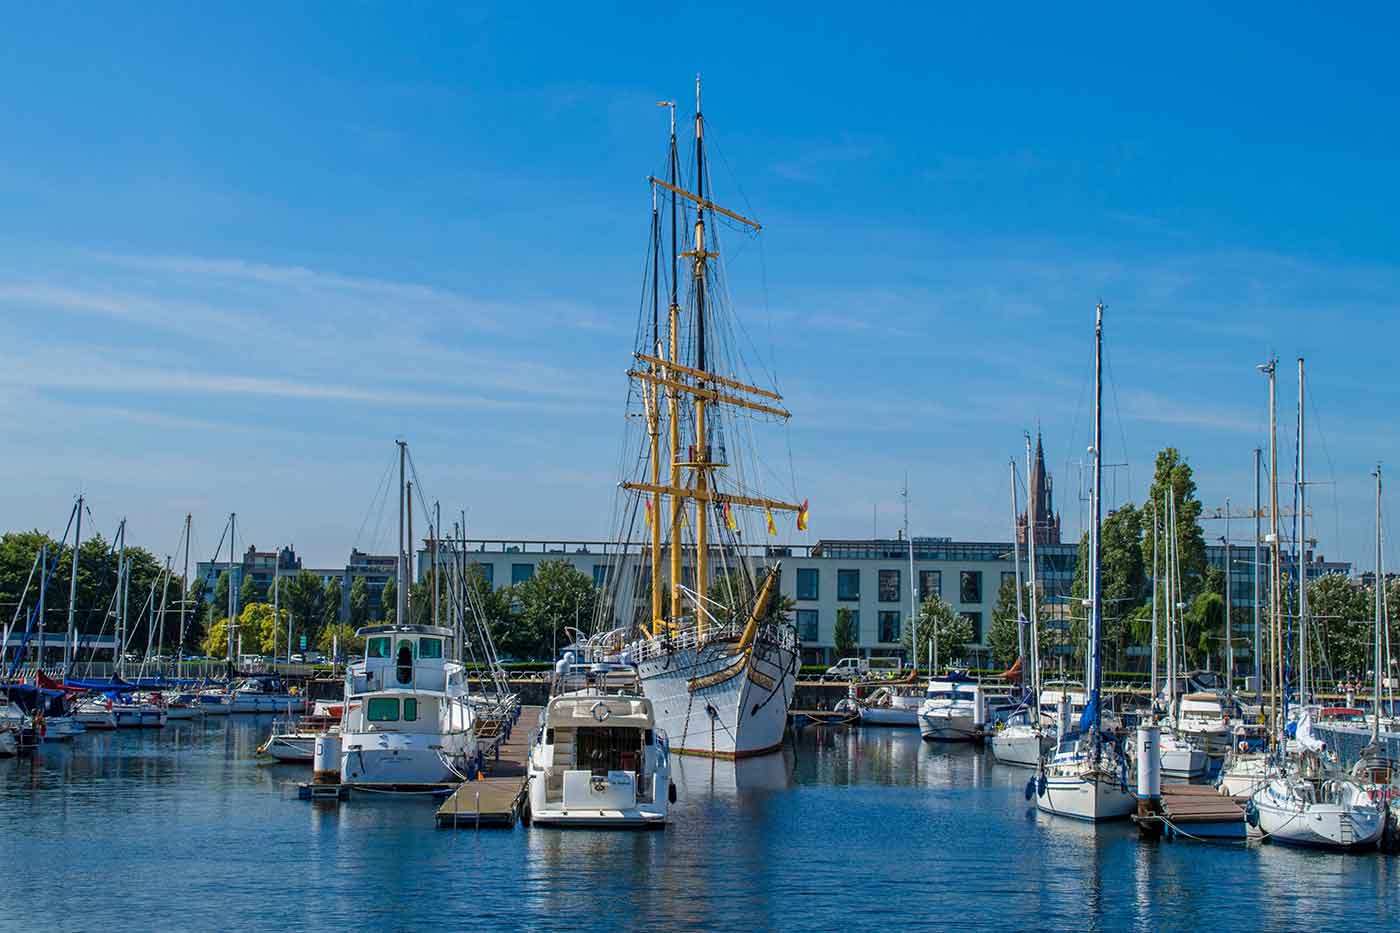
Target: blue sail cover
1089 719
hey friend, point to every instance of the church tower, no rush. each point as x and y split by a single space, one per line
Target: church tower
1040 504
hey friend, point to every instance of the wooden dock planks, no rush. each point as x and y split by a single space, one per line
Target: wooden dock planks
493 801
1184 804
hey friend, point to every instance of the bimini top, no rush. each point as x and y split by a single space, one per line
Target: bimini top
591 709
392 629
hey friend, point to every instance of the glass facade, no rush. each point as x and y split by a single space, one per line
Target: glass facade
889 625
808 580
970 587
889 586
930 584
848 585
808 628
519 573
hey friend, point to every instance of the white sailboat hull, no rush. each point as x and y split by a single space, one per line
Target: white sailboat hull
1244 775
1020 745
291 747
1096 797
1283 817
721 702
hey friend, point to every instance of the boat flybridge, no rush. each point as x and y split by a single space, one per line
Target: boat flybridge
954 709
408 722
599 760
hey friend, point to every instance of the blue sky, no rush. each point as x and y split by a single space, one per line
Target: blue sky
244 249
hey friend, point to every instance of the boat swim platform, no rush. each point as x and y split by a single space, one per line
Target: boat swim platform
1193 811
493 800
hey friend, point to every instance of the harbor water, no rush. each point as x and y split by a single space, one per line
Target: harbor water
182 828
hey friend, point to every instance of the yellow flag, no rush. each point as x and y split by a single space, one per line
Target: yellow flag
648 513
772 528
802 516
729 521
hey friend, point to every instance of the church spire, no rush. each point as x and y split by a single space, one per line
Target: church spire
1040 502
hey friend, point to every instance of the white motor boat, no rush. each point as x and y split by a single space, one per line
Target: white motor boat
1086 783
294 740
408 721
599 761
263 695
953 710
1246 766
215 702
1181 758
891 706
14 725
182 706
1203 719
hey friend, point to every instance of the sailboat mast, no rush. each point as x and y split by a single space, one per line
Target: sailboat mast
1275 584
1096 624
1156 584
1229 640
913 583
1168 540
184 601
232 585
1015 559
1380 622
408 556
437 567
399 613
69 639
702 448
1259 535
124 580
1300 546
1034 585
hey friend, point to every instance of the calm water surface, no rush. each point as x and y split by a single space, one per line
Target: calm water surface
183 829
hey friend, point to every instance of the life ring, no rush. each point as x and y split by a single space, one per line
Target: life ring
600 711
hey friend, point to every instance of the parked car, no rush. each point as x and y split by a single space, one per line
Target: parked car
297 659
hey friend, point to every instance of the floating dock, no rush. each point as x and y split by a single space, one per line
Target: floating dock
493 800
1195 811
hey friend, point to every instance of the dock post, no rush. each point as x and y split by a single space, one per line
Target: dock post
1149 780
478 811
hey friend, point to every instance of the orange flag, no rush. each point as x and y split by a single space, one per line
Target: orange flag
802 516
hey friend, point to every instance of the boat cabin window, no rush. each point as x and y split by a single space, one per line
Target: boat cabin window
379 647
410 709
404 662
383 709
430 647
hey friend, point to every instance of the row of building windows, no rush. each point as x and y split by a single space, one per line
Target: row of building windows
889 587
888 628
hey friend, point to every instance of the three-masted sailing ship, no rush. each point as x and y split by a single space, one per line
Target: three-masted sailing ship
713 651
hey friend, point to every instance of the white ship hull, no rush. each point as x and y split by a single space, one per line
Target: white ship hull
889 716
1021 745
9 743
721 702
392 759
939 727
1284 817
291 747
139 716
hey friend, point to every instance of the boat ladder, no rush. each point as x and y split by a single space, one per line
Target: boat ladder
1346 830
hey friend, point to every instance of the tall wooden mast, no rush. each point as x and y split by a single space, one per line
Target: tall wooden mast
662 369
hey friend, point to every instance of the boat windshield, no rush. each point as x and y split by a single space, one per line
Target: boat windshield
379 647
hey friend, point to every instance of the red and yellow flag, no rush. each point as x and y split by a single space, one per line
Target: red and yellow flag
648 513
772 528
802 516
729 521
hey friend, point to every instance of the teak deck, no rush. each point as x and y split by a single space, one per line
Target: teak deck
1198 803
493 800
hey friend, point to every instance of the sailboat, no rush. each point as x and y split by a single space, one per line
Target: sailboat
1024 738
408 722
1087 778
1306 800
718 666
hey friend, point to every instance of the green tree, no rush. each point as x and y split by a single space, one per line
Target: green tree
845 634
259 627
389 601
216 639
1125 585
218 608
1002 636
1172 478
341 638
938 621
1341 615
330 611
303 597
248 591
359 603
558 595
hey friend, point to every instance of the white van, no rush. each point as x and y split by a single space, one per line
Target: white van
865 668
